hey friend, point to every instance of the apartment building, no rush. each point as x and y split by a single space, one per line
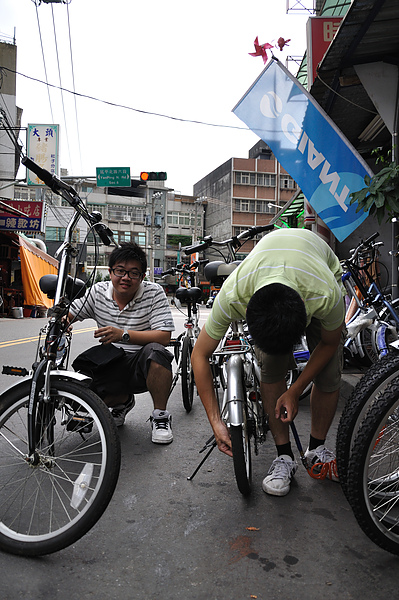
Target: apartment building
243 192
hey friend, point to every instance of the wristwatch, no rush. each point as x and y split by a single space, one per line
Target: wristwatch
125 336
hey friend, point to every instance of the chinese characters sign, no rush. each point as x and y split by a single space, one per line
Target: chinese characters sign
113 176
42 147
320 32
32 222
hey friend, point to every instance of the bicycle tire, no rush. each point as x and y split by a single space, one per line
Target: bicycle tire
241 448
187 374
370 387
292 376
373 472
48 507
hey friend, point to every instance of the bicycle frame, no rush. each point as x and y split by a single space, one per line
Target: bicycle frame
47 370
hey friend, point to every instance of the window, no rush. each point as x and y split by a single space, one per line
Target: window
184 219
245 178
245 205
57 234
262 206
287 183
266 179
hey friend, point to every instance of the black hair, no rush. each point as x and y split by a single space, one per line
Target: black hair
128 251
276 318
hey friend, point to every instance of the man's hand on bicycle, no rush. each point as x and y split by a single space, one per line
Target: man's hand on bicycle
287 407
222 438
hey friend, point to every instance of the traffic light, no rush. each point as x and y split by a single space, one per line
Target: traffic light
153 176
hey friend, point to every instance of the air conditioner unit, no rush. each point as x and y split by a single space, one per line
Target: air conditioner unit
126 218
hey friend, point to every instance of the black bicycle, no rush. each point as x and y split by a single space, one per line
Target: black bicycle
188 295
59 446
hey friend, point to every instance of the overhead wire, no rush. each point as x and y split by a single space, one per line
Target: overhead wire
44 63
74 89
61 88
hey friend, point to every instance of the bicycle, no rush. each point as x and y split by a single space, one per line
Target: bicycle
59 447
236 371
375 322
184 343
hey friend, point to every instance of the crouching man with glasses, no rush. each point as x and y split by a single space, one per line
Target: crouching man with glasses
134 325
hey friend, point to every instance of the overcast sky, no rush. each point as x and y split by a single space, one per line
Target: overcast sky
186 60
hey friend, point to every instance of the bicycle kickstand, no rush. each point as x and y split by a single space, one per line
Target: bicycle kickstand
211 444
299 446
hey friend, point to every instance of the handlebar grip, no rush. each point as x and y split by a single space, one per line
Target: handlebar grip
104 233
52 181
261 228
371 238
43 174
195 248
168 272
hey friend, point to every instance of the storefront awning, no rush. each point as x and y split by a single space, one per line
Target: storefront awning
34 264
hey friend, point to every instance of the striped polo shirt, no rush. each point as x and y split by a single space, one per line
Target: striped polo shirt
297 258
149 309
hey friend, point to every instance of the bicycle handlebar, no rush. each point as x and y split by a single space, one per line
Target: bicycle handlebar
52 181
184 268
235 240
364 245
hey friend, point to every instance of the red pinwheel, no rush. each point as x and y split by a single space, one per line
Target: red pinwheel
281 42
260 50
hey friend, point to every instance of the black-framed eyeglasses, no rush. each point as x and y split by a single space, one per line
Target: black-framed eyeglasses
133 274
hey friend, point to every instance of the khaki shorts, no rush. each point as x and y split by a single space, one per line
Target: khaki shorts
274 367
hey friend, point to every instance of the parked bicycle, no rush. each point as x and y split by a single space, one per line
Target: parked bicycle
375 322
237 374
59 446
184 343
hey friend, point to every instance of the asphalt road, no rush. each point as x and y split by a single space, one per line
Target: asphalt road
166 538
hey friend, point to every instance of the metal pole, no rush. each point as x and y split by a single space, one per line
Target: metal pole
395 227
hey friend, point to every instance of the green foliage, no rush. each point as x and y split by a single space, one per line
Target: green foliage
173 239
381 194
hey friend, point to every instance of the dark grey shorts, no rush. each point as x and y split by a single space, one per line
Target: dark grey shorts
125 374
274 367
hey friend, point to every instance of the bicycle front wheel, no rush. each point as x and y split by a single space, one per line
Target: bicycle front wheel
241 448
373 472
50 503
187 374
368 390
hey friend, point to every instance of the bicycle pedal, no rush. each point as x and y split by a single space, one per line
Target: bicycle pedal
17 371
79 424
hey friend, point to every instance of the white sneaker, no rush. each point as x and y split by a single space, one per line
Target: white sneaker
322 463
277 482
161 425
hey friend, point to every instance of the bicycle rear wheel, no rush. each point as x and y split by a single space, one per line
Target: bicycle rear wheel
241 448
47 506
373 472
187 374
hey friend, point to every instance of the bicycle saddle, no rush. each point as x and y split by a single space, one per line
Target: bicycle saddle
75 288
188 295
217 270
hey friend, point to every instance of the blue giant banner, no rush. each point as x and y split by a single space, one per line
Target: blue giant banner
307 144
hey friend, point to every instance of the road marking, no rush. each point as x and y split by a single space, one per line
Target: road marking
8 343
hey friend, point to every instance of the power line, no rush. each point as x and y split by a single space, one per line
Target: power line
138 110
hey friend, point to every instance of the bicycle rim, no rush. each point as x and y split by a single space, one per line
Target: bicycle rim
373 475
47 507
241 448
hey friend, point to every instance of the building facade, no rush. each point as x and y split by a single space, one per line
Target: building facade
244 192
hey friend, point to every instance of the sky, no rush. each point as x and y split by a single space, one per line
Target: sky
155 82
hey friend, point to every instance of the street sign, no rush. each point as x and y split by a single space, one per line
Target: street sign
113 176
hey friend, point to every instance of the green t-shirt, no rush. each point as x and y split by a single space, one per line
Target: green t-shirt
297 258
